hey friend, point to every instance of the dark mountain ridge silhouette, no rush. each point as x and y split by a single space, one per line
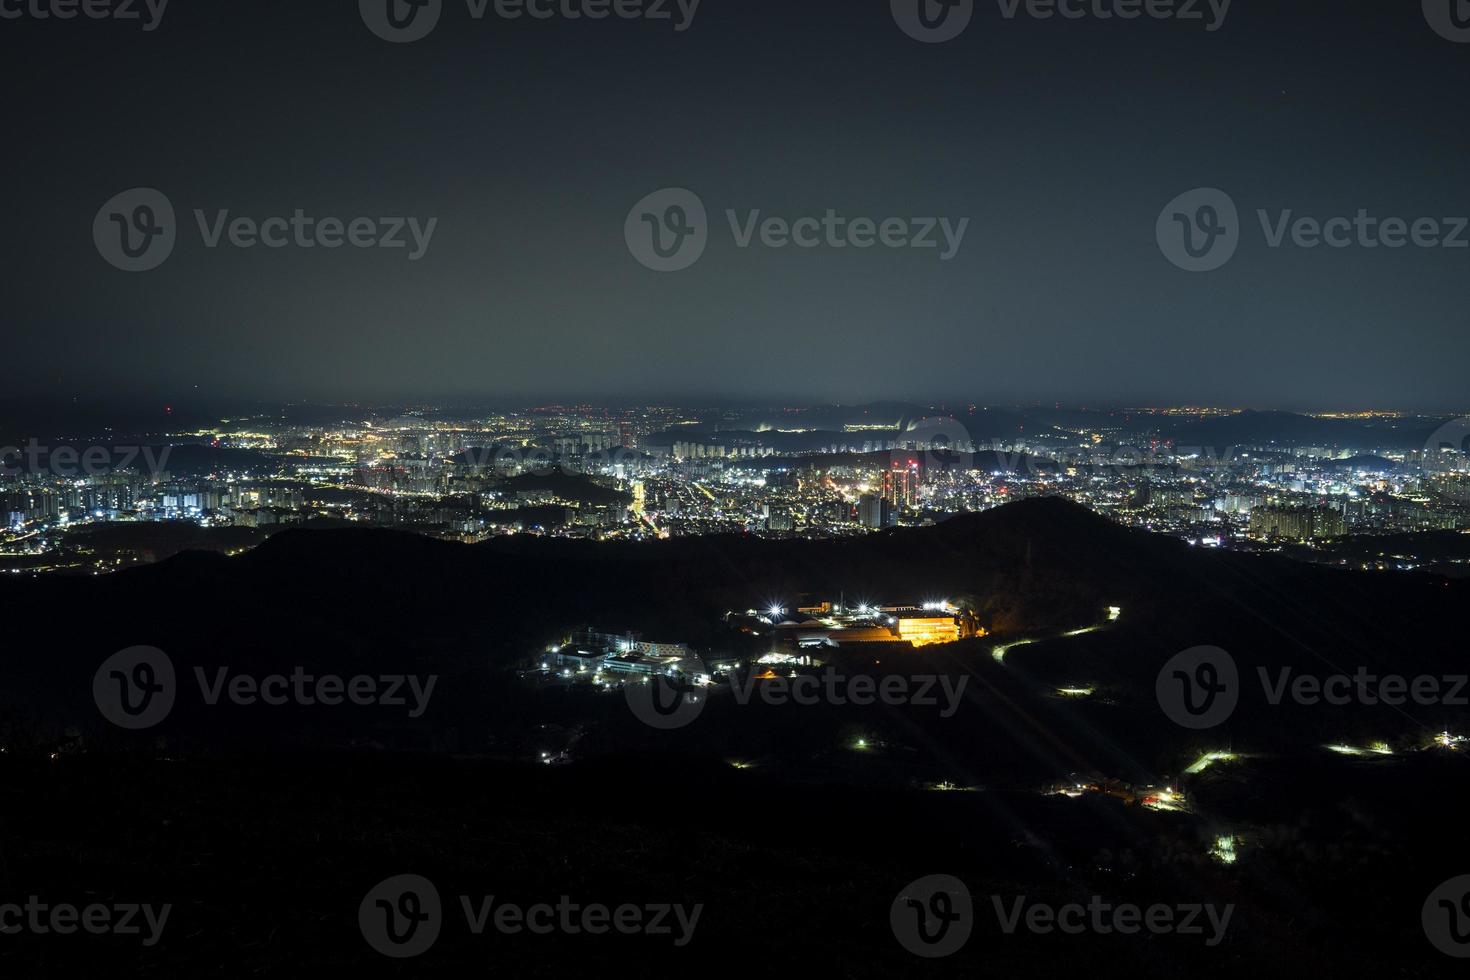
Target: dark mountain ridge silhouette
356 600
258 813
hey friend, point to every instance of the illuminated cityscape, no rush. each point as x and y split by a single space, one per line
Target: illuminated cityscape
650 473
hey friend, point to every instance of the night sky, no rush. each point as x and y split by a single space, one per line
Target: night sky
530 141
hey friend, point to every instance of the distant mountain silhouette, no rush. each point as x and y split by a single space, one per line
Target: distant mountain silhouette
354 599
987 461
1363 461
1288 429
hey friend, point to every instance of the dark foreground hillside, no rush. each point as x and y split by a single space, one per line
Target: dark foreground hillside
265 861
1323 827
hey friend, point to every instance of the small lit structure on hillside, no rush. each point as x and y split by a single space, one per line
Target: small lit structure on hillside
1224 849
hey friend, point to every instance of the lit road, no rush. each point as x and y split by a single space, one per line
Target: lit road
999 652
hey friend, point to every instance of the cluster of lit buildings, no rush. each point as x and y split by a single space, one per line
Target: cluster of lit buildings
1298 523
804 636
668 472
608 659
834 625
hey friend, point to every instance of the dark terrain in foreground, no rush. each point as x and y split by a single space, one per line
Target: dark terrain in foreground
264 827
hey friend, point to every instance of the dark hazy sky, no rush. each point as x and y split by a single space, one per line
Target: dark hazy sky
530 141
